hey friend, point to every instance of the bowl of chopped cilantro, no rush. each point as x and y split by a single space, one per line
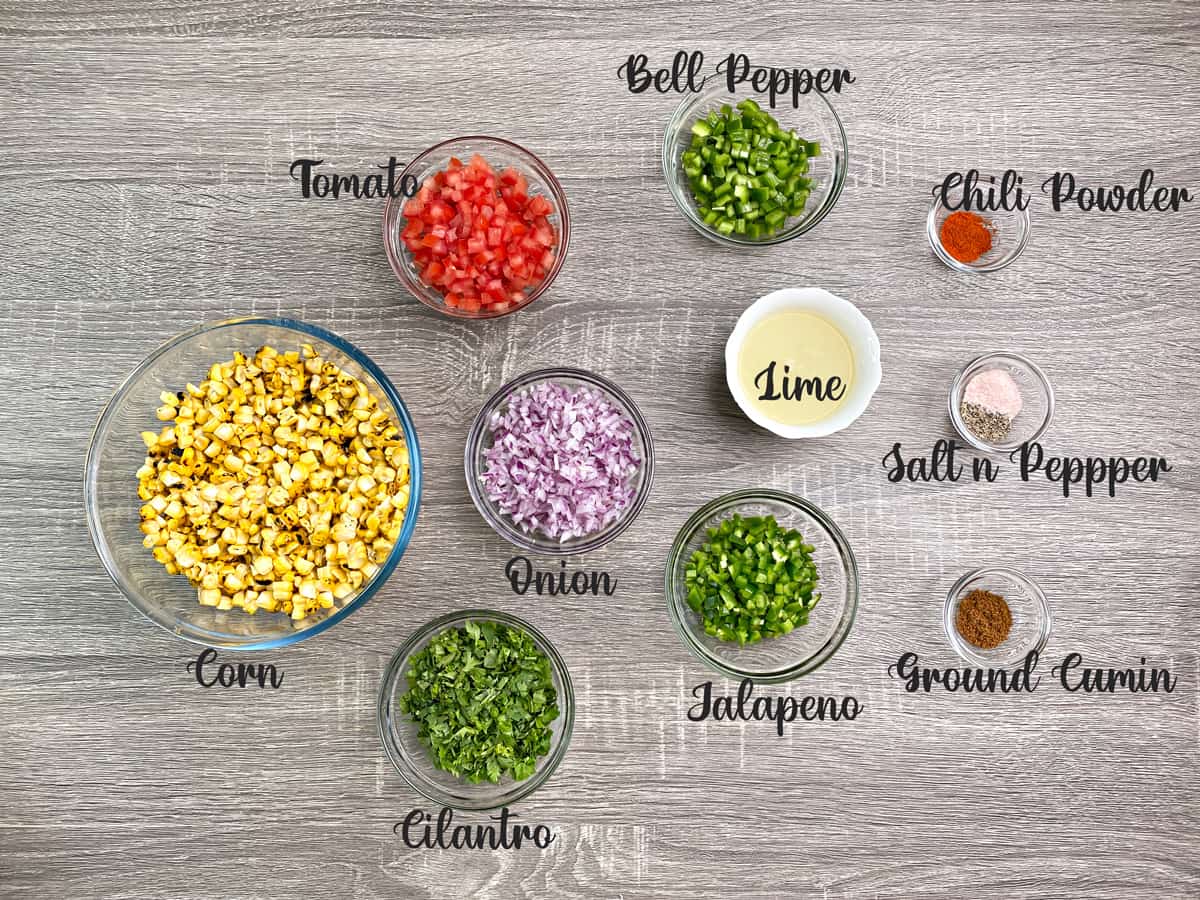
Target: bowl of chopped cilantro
762 584
476 710
746 175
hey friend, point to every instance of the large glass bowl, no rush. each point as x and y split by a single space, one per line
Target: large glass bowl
814 120
480 439
801 651
403 745
500 154
116 452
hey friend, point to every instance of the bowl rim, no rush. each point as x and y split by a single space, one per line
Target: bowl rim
393 214
384 708
820 301
506 529
958 385
669 165
679 609
935 241
92 466
965 650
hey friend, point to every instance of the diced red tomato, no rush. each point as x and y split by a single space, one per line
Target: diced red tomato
478 237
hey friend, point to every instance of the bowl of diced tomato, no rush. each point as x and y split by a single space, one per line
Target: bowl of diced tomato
486 232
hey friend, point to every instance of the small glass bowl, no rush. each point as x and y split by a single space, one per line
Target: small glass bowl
814 120
500 154
116 453
1010 234
1037 400
1030 615
806 648
411 757
479 440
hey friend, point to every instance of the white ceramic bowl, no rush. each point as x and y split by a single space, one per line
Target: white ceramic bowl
864 344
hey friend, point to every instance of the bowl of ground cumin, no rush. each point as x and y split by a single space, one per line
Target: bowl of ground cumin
996 617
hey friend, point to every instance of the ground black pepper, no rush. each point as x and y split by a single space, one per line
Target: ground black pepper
992 427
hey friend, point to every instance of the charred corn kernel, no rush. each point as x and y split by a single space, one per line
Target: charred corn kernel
278 484
345 530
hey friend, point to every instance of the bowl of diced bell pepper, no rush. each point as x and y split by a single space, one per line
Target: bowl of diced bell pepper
485 233
745 175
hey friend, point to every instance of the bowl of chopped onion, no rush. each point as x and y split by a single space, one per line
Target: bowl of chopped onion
559 461
252 483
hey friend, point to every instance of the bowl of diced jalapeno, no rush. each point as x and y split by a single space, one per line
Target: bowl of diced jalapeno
762 584
746 175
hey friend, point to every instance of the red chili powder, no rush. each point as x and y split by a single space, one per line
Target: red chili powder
966 236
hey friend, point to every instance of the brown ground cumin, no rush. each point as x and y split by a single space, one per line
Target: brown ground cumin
983 619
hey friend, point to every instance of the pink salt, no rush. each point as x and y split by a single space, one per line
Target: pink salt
994 391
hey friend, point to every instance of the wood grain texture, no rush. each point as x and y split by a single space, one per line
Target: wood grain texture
144 162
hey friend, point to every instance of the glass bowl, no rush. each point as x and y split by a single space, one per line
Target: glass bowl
479 440
814 120
116 452
500 154
411 757
1010 234
803 650
1030 615
1037 400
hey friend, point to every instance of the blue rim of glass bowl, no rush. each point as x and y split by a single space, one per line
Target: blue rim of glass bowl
91 465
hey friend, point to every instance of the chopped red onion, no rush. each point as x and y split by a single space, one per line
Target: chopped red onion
562 460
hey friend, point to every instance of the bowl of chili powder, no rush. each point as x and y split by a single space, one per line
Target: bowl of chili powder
970 241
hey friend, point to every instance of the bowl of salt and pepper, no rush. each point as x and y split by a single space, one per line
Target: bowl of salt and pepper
999 401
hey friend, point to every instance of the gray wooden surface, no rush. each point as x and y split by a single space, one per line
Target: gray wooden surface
143 165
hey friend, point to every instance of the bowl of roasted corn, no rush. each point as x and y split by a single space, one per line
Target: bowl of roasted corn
252 483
